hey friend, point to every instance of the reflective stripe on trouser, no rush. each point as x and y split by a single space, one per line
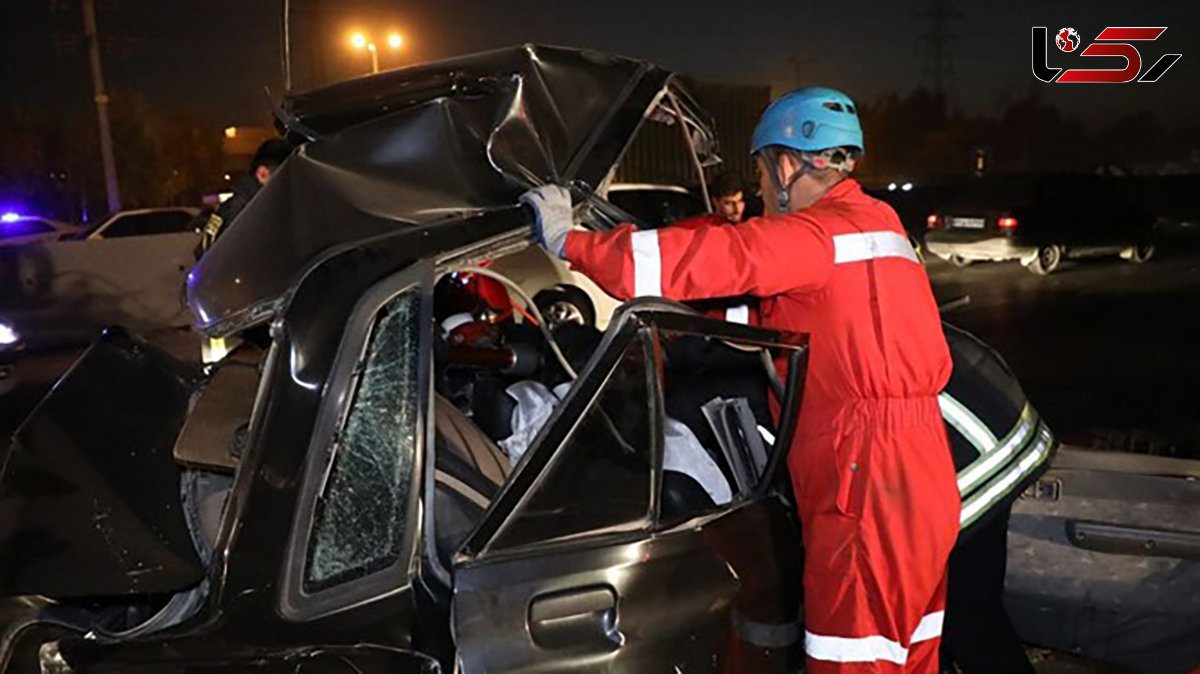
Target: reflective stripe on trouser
1002 463
847 249
879 511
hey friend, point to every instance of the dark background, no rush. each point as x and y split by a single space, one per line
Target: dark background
179 71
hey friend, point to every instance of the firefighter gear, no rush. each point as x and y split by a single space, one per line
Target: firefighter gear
870 465
809 119
552 206
244 188
819 124
1000 446
999 443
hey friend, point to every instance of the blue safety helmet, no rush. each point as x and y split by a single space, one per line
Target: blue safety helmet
809 119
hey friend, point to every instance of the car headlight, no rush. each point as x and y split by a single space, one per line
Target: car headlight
8 335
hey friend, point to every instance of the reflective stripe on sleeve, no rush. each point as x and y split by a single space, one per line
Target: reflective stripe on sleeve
929 628
871 246
1000 452
647 264
962 419
738 314
984 498
874 648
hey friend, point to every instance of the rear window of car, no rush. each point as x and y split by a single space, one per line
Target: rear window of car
143 224
27 227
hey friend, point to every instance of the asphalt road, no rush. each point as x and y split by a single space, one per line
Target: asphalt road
1106 349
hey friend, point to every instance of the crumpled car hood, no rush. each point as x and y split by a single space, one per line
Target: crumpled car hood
416 147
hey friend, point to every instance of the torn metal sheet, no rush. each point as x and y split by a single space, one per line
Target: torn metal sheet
426 145
89 491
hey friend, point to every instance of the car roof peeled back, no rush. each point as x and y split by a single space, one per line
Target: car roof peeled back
420 147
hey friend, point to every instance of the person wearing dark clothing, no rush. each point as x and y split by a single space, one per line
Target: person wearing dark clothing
978 637
1000 446
266 160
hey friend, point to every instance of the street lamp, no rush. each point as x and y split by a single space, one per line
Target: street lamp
361 41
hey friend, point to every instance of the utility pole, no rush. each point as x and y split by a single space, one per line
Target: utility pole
112 189
285 47
939 66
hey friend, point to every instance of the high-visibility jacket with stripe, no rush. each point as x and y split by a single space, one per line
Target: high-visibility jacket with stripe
999 442
870 463
841 270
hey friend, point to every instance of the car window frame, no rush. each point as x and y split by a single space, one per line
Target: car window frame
596 388
634 322
46 226
295 603
531 470
188 217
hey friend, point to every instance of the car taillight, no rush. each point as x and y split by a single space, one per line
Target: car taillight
932 221
1007 223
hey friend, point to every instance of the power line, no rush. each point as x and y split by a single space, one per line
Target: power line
938 39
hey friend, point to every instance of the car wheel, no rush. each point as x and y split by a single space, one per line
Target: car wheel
959 261
566 304
1141 253
1047 260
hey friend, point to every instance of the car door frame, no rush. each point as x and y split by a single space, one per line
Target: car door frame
548 564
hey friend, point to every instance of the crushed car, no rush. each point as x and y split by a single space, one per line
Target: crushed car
359 492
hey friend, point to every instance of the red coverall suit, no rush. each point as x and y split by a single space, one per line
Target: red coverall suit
874 482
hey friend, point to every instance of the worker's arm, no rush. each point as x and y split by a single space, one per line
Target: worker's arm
760 257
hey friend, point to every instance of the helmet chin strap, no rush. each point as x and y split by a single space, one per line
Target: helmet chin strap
835 159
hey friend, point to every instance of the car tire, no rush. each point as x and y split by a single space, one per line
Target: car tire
959 261
1141 253
566 304
1047 261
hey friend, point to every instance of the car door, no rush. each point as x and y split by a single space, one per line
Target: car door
577 566
1104 559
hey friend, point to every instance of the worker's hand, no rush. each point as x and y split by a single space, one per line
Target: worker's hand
552 205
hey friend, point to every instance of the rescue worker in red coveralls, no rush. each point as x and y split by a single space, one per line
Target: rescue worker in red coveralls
870 465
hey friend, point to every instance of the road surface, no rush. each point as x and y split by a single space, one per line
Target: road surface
1106 349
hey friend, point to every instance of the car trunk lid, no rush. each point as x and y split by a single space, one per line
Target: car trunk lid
89 491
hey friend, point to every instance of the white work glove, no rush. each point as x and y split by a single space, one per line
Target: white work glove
552 205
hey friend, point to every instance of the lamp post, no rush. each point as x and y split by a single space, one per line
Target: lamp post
361 41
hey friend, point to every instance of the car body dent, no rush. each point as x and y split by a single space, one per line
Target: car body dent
417 148
97 450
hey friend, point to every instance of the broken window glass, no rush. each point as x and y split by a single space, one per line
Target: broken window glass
361 517
601 477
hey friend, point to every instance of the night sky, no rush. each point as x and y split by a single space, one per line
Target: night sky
215 57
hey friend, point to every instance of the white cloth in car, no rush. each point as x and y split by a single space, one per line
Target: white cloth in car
535 404
682 452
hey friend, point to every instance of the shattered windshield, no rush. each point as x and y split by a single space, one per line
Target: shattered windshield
361 515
